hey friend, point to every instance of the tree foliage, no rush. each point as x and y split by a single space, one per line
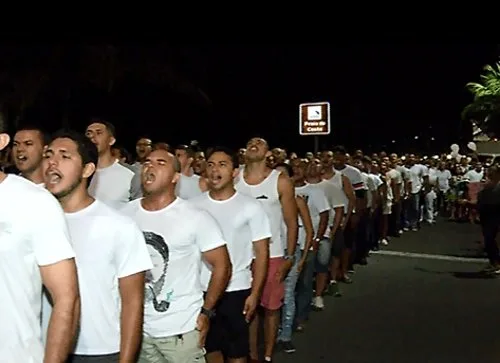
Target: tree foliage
485 108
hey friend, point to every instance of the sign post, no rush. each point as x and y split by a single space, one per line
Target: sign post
314 120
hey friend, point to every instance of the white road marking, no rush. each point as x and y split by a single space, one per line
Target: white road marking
429 256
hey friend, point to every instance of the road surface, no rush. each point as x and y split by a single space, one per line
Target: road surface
423 303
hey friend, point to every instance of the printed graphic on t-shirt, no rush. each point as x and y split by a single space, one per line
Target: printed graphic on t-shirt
155 278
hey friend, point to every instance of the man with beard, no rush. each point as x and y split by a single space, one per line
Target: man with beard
246 230
27 152
111 255
180 238
276 193
35 249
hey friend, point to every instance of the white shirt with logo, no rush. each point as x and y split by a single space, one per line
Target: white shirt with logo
176 237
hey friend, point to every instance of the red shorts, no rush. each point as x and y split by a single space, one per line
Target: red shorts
273 293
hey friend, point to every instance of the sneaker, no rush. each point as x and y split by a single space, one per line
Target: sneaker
318 303
288 347
384 242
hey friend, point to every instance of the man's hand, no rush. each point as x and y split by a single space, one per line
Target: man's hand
283 270
249 308
202 325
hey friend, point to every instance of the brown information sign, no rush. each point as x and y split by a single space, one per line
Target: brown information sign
314 118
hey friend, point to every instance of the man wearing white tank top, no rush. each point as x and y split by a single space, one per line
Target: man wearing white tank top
189 185
277 195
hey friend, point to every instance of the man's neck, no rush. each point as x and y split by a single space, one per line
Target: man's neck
105 159
155 202
314 179
35 177
328 172
2 176
76 201
300 183
188 171
256 168
223 194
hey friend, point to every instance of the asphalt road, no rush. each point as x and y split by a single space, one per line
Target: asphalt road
403 309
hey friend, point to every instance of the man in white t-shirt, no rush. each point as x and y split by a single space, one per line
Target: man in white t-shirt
112 182
179 235
189 185
245 227
35 248
111 256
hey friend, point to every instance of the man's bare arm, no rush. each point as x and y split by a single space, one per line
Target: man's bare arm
290 213
132 314
351 197
261 250
218 258
61 281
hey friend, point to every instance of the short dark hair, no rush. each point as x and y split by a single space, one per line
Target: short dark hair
339 149
109 126
86 149
188 149
229 152
32 127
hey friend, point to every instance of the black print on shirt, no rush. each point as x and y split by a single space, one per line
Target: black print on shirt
155 278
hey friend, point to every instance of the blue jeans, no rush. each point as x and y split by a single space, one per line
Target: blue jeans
288 309
413 211
304 290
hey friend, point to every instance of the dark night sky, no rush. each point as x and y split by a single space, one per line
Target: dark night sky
378 93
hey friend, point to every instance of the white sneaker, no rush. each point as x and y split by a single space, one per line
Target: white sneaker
384 242
318 302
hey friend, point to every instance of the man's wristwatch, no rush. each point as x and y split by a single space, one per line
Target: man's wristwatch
209 313
289 258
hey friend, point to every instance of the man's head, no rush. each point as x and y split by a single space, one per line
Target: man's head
314 168
160 172
257 150
102 134
69 162
143 147
27 149
299 167
185 154
222 168
339 157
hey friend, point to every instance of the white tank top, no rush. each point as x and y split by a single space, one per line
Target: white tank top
267 194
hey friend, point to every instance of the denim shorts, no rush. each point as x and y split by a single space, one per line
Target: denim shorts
328 249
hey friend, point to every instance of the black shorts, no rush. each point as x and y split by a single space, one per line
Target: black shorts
228 331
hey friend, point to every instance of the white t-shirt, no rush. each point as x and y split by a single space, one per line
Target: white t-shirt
317 203
474 176
176 237
112 185
188 187
243 221
443 179
416 174
33 233
108 246
336 198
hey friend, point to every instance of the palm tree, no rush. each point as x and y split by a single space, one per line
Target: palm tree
484 111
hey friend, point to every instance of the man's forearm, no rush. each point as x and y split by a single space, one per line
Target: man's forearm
62 329
217 285
259 274
132 315
292 234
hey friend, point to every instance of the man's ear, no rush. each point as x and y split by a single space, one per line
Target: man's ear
4 141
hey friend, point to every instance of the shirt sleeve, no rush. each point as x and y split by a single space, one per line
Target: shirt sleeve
49 232
132 254
135 187
357 180
260 226
319 201
208 233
